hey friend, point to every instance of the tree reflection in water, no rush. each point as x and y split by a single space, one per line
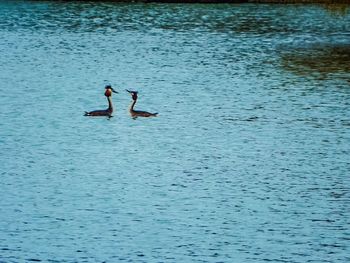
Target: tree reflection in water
323 60
337 9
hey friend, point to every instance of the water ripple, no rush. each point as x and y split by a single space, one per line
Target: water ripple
247 161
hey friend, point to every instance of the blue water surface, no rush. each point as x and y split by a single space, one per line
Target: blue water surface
248 160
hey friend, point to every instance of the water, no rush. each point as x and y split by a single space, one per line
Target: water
248 160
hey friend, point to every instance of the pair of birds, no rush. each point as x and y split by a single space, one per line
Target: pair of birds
108 112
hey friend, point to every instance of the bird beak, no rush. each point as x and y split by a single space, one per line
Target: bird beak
132 91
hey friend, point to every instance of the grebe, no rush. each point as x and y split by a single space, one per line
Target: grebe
108 112
136 113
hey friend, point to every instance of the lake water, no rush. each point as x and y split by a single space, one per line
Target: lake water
248 160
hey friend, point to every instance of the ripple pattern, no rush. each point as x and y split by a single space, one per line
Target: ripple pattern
247 161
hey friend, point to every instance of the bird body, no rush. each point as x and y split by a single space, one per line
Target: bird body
108 112
136 113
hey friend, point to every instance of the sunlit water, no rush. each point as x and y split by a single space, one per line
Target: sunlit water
248 160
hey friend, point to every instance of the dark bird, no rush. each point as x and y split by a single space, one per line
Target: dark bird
137 113
108 112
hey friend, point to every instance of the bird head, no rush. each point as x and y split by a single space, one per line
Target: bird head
133 94
109 91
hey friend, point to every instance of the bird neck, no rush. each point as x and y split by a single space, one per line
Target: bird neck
132 105
110 105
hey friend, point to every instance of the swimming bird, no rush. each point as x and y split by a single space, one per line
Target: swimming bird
108 112
136 113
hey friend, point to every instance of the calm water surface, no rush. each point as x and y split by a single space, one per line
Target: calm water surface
248 160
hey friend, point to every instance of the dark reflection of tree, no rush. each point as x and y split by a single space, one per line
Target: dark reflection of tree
337 9
324 60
